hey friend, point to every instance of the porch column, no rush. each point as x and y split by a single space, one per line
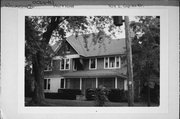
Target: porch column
80 84
115 82
96 82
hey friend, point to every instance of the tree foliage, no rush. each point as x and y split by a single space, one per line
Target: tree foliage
146 47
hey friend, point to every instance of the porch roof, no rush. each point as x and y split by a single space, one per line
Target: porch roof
96 73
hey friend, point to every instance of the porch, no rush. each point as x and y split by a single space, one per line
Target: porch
111 79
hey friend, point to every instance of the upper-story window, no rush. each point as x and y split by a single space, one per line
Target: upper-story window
112 62
77 64
49 67
64 64
93 63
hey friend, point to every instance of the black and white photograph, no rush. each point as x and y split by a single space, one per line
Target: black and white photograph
105 60
92 61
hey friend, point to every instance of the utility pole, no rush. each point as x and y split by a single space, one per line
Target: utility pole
129 63
118 22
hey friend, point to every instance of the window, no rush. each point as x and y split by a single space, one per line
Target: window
47 84
117 62
64 64
78 64
67 64
112 62
62 83
93 63
106 62
49 67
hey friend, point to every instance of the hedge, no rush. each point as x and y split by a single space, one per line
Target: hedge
113 95
117 95
64 94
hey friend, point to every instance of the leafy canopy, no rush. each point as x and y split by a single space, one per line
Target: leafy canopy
146 47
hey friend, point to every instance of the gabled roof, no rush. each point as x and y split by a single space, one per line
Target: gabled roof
93 45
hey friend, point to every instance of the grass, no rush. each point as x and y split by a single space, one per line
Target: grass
79 103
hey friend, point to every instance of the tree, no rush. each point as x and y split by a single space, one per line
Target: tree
146 49
40 31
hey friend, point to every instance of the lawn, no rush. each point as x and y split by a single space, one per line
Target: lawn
79 103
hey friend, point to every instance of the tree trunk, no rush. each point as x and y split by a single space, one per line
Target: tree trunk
38 72
39 60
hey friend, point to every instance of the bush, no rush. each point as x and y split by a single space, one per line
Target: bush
69 93
90 94
117 95
113 95
62 94
101 96
52 95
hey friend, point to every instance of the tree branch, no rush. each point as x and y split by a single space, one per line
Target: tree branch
55 21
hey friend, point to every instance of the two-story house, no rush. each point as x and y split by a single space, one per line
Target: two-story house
88 62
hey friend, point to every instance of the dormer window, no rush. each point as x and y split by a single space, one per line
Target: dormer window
64 64
112 62
93 63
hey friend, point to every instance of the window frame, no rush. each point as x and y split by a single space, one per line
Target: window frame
65 60
90 64
108 61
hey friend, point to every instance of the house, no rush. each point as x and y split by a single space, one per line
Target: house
88 62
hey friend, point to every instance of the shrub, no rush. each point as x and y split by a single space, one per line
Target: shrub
101 96
117 95
90 94
52 95
69 93
64 94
